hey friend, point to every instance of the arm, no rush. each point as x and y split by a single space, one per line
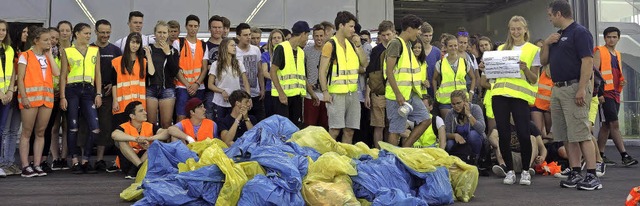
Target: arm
544 53
119 136
245 82
586 70
478 122
261 81
265 70
596 59
181 78
442 137
54 67
97 81
151 70
64 72
436 80
228 135
161 135
362 57
472 76
203 72
247 122
323 69
532 74
174 131
21 73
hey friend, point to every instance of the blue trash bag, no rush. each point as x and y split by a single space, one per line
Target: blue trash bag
303 151
164 158
275 130
204 183
164 191
393 196
266 190
374 174
437 189
199 187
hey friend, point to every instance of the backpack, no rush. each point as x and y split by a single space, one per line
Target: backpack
376 81
334 57
183 44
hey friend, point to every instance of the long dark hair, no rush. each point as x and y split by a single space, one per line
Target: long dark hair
224 59
127 63
422 57
78 28
17 43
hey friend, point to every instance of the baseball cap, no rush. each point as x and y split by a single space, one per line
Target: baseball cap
300 27
192 104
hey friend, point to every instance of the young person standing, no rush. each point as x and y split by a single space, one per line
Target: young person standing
249 55
375 71
433 53
315 111
224 77
216 29
135 23
275 38
161 97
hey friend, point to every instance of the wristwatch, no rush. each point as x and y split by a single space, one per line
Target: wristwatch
99 94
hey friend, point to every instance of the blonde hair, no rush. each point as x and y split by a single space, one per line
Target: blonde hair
508 45
160 23
460 93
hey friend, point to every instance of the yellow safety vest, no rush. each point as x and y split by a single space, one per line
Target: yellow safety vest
6 70
451 80
518 87
56 79
292 77
423 75
345 79
81 68
407 74
427 138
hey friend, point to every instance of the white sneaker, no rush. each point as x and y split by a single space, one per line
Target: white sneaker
2 174
510 178
525 178
600 169
564 174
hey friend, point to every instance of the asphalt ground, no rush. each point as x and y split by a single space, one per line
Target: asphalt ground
64 188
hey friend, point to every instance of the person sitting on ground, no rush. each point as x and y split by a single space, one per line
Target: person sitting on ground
464 123
238 121
134 137
196 127
538 153
432 136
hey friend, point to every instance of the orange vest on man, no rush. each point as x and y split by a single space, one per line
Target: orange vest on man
146 131
205 132
190 65
130 87
543 98
39 89
606 70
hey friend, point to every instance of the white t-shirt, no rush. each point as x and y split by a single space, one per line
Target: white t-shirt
251 61
439 122
146 40
228 82
192 46
536 59
41 58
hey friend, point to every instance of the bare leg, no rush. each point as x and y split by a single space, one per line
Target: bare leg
393 139
28 121
416 132
40 126
152 111
347 136
334 133
128 153
55 138
166 112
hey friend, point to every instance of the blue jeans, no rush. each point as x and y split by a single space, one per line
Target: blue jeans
209 105
4 114
10 134
474 138
81 97
182 96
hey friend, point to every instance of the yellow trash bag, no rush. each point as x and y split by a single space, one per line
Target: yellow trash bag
328 182
464 180
134 192
252 168
415 158
359 149
317 138
364 202
199 147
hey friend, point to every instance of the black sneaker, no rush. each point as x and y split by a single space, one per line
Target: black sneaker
590 182
45 167
571 181
608 161
88 169
601 169
564 174
76 169
132 173
113 168
64 164
40 171
29 172
628 161
100 166
499 170
56 165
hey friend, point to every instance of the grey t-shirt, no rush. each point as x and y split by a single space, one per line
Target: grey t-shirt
393 50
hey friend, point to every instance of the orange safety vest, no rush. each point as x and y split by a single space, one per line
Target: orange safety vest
205 132
605 67
130 87
190 65
146 131
39 89
543 98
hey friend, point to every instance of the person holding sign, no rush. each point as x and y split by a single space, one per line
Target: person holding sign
450 75
512 97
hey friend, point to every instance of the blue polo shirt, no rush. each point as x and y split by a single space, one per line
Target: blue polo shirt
565 56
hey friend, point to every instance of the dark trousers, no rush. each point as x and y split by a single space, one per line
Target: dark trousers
258 108
81 97
292 110
503 109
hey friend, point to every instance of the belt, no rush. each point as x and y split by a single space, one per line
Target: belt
565 83
79 84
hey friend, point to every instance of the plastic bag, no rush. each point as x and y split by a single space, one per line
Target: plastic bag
464 180
263 190
376 174
317 138
204 183
437 188
164 191
164 158
199 147
415 158
633 199
356 150
131 193
328 182
393 196
251 169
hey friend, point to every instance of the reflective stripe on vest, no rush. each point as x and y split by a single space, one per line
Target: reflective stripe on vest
451 80
39 89
146 131
204 132
519 87
292 77
346 79
82 68
406 73
6 70
605 67
190 65
129 87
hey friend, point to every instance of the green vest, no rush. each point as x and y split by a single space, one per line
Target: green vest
518 87
81 68
451 80
292 76
406 73
345 79
6 70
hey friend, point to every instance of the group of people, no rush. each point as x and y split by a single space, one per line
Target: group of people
405 90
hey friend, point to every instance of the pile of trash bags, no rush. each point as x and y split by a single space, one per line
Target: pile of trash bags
275 164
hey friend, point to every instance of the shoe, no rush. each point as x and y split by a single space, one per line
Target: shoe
571 181
2 173
64 164
132 173
532 171
607 161
564 174
113 168
45 167
88 169
525 178
7 171
28 172
600 169
509 178
15 169
40 171
628 161
590 182
76 169
499 170
56 165
100 166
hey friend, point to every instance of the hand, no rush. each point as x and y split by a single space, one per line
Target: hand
25 103
63 104
107 89
426 84
481 66
262 94
3 98
193 87
8 97
400 99
580 97
115 106
225 96
523 65
459 139
355 39
367 101
98 101
623 82
147 52
250 106
601 99
283 99
316 100
327 98
539 160
467 110
553 38
164 46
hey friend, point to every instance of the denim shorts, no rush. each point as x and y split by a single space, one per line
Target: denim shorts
157 92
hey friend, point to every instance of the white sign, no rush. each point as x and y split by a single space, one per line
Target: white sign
502 64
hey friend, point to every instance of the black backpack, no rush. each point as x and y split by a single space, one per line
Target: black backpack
334 57
377 81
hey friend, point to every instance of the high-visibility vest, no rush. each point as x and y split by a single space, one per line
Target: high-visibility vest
424 76
39 89
56 80
6 70
406 73
518 87
605 67
190 65
344 74
292 77
543 98
82 69
130 87
451 81
205 132
146 131
488 103
427 138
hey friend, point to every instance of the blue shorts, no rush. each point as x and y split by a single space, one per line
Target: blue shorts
536 109
157 92
397 123
182 96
